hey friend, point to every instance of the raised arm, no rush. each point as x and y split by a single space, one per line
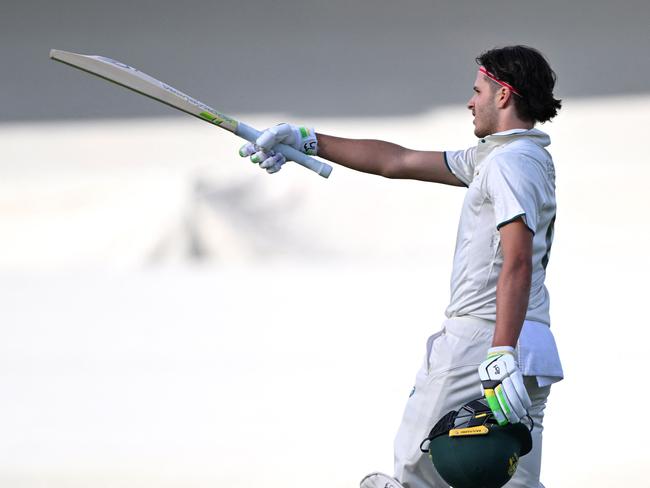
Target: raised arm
386 159
369 156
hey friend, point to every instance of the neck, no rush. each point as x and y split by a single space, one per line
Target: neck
510 121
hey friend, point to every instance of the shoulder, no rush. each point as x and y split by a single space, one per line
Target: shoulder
525 147
462 156
522 159
461 164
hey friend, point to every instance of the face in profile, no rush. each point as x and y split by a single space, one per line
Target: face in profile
483 106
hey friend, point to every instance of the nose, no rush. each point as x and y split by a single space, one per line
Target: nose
470 103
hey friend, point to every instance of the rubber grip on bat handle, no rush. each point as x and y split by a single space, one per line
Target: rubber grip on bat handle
250 134
319 167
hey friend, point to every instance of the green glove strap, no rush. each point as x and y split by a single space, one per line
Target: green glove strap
491 398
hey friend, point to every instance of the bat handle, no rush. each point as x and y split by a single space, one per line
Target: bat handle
250 134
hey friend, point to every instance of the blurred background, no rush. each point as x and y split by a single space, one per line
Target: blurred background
173 316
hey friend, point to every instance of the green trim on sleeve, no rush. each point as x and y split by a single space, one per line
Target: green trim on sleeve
444 155
516 217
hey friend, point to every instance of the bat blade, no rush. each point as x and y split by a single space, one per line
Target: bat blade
129 77
137 81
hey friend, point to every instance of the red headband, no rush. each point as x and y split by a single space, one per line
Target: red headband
500 82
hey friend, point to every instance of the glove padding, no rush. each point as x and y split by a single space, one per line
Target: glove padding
270 160
301 138
503 385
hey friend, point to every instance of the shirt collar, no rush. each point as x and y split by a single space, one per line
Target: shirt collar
488 143
535 135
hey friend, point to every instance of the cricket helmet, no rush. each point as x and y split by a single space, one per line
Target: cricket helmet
471 450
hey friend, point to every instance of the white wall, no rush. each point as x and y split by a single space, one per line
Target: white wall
172 316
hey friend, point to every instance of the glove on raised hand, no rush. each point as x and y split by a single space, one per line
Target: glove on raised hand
503 385
300 138
270 160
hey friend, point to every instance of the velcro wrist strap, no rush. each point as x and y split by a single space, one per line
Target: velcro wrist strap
499 350
308 140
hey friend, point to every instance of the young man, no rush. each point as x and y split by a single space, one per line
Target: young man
496 340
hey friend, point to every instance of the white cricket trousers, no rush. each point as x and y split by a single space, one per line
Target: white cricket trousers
447 380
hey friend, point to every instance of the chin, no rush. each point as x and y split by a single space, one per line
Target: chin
480 133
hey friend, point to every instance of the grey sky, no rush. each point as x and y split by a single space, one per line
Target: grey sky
306 58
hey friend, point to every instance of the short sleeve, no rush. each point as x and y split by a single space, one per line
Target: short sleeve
512 186
461 164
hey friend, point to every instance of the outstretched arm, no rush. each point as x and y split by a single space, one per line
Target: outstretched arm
386 159
366 155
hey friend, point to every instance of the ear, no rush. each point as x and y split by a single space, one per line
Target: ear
502 96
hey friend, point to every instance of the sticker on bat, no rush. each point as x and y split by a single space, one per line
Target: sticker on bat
220 120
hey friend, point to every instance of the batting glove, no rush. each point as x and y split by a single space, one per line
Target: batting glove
503 385
301 138
268 159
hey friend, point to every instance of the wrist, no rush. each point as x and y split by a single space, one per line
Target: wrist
500 350
505 335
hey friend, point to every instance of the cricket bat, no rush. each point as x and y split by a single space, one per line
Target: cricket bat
128 77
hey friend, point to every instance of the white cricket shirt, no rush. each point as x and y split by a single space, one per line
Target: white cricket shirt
509 175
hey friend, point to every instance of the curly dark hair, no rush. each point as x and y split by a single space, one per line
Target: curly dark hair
528 71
